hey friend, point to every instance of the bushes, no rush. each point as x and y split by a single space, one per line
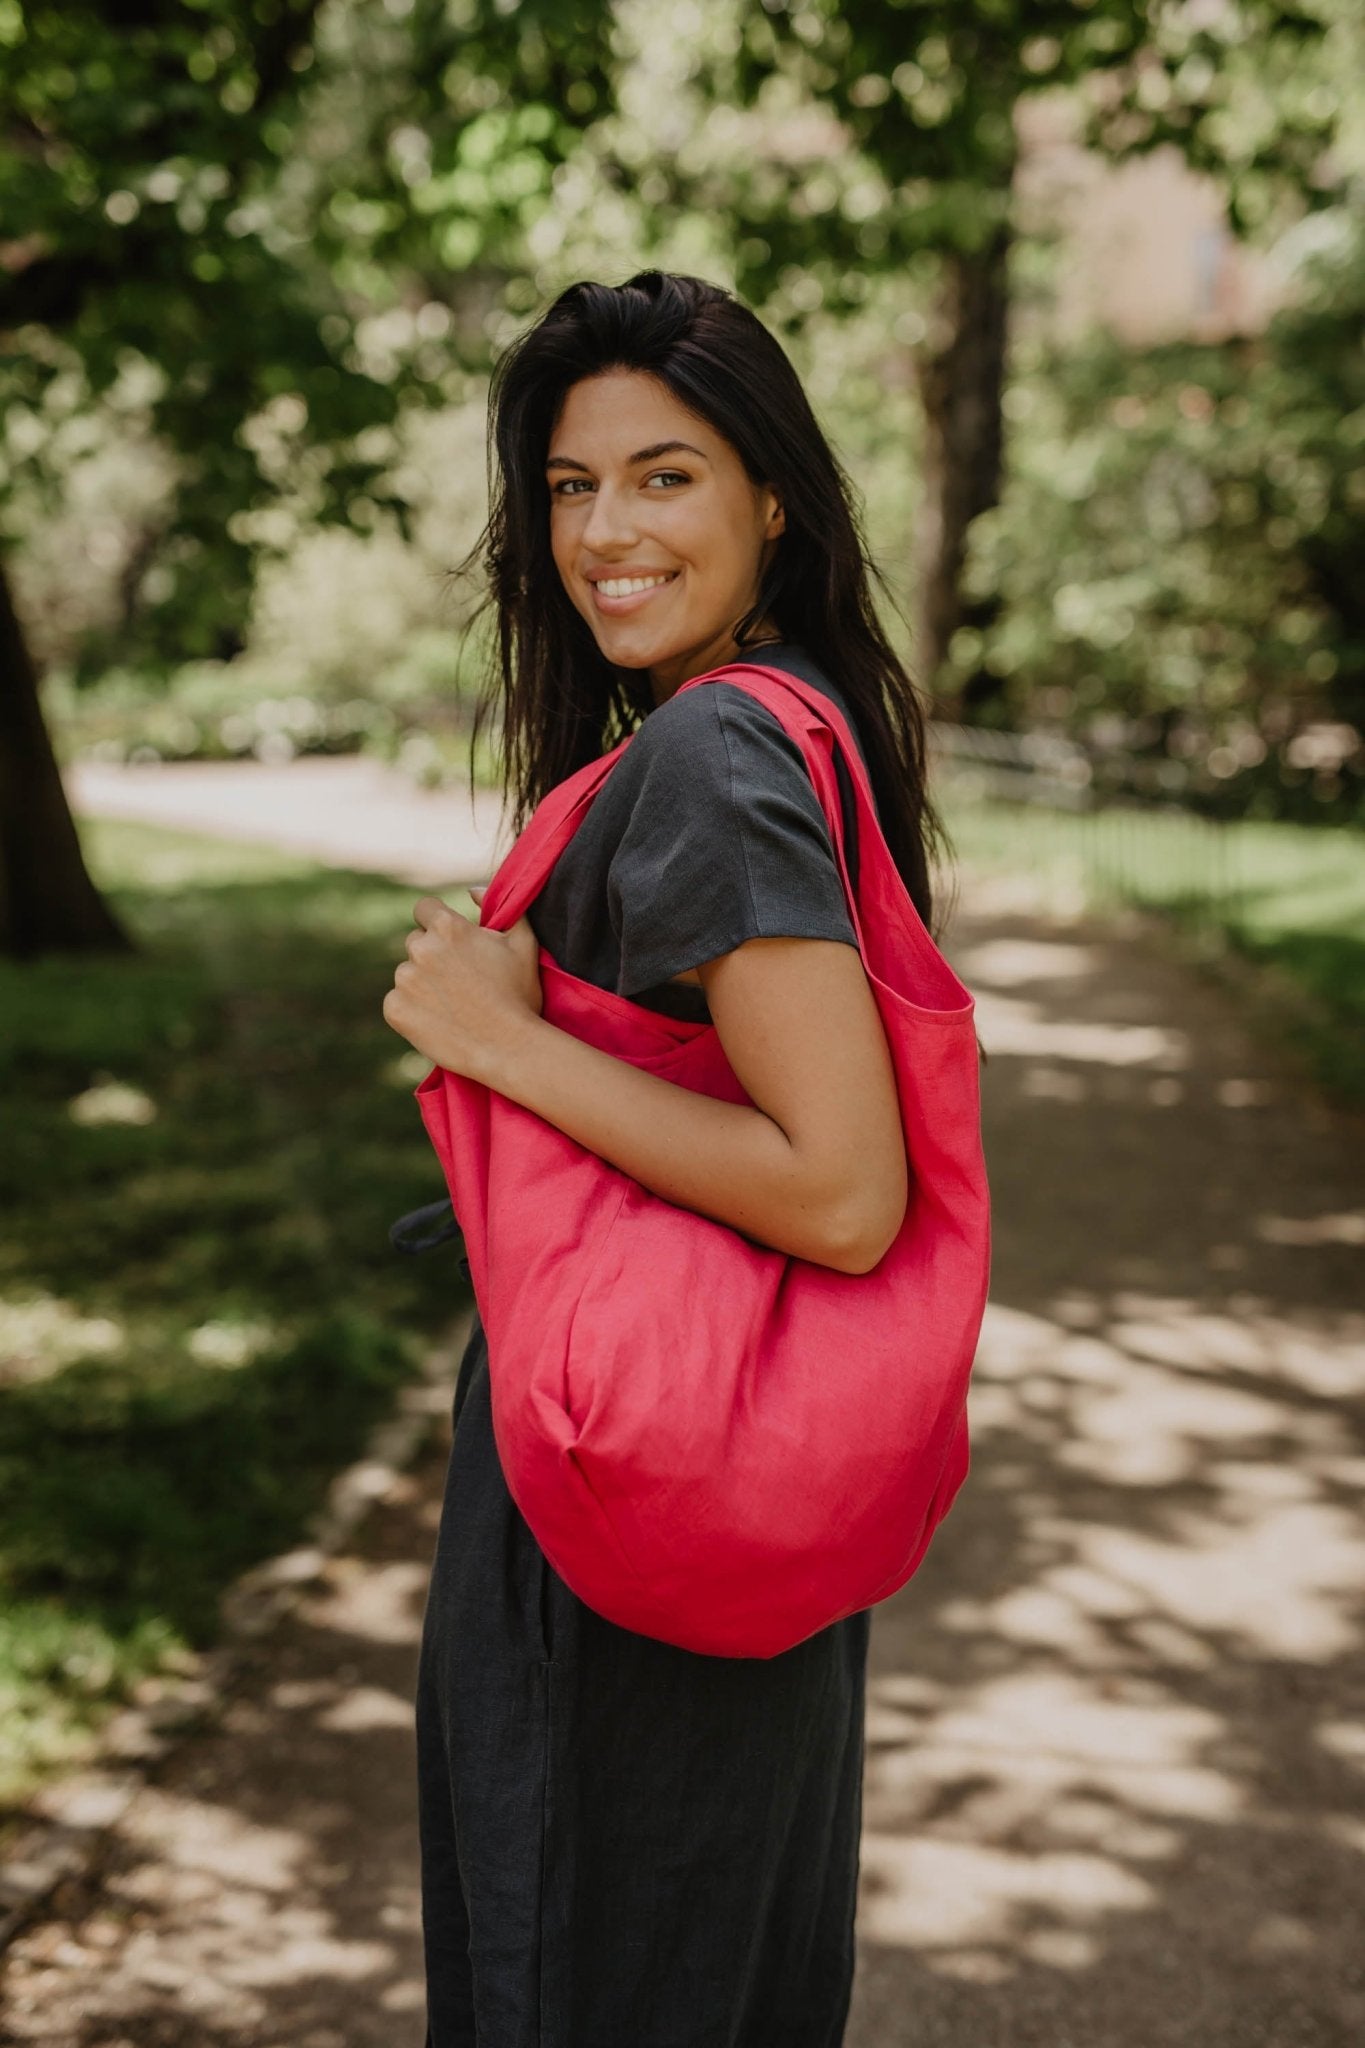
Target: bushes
1173 570
410 712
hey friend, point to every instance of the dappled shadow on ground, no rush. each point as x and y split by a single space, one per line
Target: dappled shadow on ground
202 1147
1115 1766
263 1889
1113 1791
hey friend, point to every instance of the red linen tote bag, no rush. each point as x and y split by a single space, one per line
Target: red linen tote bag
713 1443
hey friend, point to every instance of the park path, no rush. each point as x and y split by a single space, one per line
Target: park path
345 808
1116 1759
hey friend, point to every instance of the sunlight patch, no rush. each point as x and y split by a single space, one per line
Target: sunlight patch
41 1335
1007 963
1346 1228
108 1101
938 1897
407 1070
1009 1026
228 1345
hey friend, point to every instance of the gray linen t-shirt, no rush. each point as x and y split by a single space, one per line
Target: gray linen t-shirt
707 832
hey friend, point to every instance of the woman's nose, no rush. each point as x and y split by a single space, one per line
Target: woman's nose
611 520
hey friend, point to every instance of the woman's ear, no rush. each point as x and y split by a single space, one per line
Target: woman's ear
777 518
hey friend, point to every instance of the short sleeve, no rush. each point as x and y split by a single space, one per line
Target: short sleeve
725 841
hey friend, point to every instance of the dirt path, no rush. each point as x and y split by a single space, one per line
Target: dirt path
1116 1759
345 808
1114 1795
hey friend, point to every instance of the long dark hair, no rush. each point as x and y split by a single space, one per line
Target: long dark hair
562 702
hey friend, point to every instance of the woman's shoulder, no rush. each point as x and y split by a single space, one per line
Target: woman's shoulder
701 731
725 838
796 660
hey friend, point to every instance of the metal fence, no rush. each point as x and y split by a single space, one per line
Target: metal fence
1046 801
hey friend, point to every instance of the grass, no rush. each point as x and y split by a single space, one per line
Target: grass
1281 907
201 1316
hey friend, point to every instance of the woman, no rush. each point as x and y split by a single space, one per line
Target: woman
626 1844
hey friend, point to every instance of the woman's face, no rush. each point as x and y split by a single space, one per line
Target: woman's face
623 505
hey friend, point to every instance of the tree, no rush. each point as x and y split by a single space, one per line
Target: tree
916 165
149 149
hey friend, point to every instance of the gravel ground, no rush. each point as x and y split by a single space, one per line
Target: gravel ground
1116 1754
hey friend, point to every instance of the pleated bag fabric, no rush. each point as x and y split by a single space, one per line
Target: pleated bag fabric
714 1443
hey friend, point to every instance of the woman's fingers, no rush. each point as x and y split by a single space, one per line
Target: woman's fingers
521 937
462 986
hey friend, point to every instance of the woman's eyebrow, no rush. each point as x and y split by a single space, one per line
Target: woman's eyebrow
641 455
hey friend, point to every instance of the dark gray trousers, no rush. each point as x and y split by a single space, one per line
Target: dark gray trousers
623 1844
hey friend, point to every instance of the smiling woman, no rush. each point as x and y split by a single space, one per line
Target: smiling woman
666 552
625 1841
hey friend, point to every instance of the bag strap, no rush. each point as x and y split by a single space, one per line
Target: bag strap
525 868
822 733
813 722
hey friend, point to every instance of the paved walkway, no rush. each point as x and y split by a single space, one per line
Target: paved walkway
343 808
1114 1789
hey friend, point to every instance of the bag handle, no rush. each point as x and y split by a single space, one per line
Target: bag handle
818 733
526 868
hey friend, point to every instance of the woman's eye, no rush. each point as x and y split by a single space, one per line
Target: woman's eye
669 476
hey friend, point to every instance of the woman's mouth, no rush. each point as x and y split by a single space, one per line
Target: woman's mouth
617 594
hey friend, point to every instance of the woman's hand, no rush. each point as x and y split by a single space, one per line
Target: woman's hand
463 990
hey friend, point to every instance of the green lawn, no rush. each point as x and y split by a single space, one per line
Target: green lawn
1289 898
200 1313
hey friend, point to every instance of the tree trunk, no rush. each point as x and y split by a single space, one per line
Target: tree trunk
961 370
47 899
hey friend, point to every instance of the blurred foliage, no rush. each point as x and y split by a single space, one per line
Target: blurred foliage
330 605
271 250
223 228
409 713
1258 94
1178 555
201 1315
374 628
893 129
138 146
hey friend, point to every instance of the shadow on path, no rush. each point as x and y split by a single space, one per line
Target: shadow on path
1114 1784
263 1888
1113 1794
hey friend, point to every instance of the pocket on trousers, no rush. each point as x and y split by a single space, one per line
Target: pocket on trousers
545 1597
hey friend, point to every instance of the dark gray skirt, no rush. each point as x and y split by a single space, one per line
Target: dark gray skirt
623 1844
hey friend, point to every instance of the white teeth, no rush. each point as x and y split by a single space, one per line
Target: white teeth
626 586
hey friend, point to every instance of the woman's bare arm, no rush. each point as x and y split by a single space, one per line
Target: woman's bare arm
816 1169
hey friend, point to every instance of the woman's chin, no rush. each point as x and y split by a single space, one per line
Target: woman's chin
628 649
